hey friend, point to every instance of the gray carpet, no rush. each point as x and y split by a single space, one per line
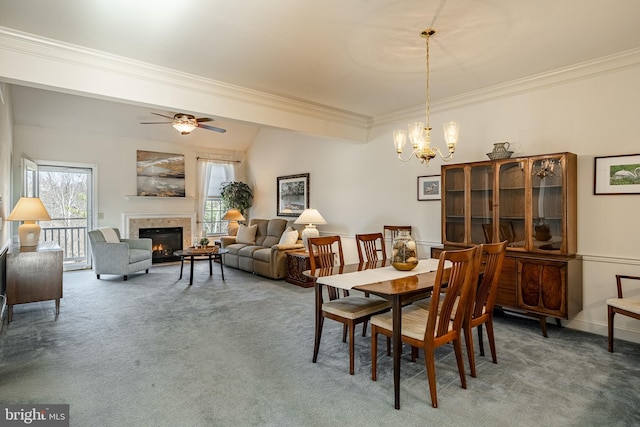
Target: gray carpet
153 351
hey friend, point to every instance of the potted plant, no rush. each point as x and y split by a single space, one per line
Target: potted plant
236 194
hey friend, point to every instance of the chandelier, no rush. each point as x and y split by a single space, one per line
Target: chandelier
420 133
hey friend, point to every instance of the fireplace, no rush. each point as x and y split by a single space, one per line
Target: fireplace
164 242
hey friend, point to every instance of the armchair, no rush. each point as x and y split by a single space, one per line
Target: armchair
118 256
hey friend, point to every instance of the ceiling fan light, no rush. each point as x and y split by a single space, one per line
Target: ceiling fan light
184 128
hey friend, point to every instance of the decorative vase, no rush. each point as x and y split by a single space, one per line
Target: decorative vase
404 256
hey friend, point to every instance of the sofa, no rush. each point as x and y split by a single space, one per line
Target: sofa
265 256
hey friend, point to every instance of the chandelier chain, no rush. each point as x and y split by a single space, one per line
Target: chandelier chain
428 123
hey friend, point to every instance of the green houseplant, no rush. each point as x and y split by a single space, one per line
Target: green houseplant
236 194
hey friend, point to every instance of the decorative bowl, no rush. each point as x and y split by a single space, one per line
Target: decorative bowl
500 155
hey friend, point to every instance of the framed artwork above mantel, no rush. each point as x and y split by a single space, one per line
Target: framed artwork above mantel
292 194
160 174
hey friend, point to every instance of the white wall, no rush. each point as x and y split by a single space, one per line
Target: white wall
6 147
359 188
116 164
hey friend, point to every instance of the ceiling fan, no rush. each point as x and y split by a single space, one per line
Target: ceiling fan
185 123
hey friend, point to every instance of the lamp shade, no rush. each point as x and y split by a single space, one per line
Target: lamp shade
233 215
29 210
310 216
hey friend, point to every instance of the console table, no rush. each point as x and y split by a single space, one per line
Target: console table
34 274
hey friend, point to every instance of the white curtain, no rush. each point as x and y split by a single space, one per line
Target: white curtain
211 174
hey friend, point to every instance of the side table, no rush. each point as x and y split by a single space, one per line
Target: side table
297 262
34 274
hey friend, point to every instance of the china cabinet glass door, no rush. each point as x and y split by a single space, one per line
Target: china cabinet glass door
547 204
454 206
482 204
511 200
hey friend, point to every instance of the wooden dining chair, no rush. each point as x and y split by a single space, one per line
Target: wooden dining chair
625 306
371 247
427 329
482 300
392 230
347 309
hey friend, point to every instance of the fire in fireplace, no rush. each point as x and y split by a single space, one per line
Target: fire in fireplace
164 242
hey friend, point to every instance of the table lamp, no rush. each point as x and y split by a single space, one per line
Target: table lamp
29 210
309 217
233 216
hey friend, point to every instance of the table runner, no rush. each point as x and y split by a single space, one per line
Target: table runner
376 275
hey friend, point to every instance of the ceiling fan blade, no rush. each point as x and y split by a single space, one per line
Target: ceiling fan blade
213 128
155 123
204 119
162 115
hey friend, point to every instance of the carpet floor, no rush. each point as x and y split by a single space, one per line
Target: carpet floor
154 351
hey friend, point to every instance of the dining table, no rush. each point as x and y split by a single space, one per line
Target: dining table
381 279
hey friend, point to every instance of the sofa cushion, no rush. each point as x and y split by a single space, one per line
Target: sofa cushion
275 228
247 251
289 237
263 255
247 234
235 248
261 233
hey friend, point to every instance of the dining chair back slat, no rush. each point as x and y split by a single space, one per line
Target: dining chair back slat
371 247
457 291
483 299
324 250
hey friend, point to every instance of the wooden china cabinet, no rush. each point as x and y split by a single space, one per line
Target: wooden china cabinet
531 202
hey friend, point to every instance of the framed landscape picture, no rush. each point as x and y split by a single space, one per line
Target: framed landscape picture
429 187
160 174
293 194
617 174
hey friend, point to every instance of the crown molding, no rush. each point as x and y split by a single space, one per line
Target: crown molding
30 45
560 76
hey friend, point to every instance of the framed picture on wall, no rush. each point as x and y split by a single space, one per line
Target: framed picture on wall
429 187
160 174
293 194
617 174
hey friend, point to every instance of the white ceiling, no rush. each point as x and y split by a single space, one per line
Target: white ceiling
362 56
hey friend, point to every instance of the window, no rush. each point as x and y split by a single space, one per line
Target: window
213 174
212 219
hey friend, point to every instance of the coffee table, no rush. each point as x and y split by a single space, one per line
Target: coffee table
200 256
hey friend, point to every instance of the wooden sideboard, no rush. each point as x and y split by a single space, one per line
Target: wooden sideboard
34 274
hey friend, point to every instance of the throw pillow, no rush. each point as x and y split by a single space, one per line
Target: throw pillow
110 235
289 237
247 234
